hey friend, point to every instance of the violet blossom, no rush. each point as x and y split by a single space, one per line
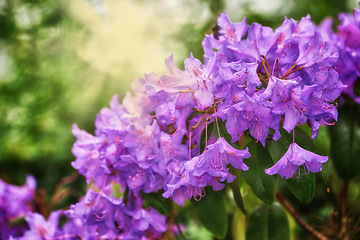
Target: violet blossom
295 157
15 203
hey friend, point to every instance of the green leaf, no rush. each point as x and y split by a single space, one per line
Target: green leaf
236 190
158 202
116 190
126 195
212 213
303 187
264 186
268 223
345 141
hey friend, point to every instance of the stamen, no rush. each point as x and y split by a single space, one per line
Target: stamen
307 168
300 108
192 188
267 64
293 66
100 216
187 91
221 166
197 198
202 194
277 67
174 132
290 72
326 123
322 106
262 79
266 71
297 177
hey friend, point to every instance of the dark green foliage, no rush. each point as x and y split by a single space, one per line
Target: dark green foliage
158 202
212 213
268 223
345 141
318 9
264 186
236 190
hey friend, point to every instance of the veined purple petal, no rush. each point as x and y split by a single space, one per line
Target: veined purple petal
295 157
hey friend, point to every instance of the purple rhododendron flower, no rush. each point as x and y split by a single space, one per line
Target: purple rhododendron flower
87 152
350 29
278 73
96 212
41 228
202 77
216 157
346 42
207 169
15 203
248 114
109 218
295 157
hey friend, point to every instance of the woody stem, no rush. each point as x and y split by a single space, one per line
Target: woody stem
343 196
298 218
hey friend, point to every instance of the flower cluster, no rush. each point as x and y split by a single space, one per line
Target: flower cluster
158 140
109 218
269 76
15 203
347 43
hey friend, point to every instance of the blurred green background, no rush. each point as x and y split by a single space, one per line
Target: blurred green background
61 61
